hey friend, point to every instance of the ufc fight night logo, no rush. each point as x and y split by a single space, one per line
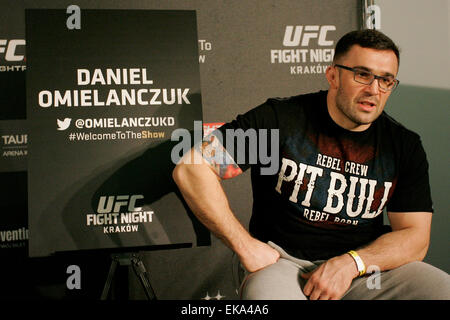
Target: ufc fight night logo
11 51
116 203
308 49
295 36
120 214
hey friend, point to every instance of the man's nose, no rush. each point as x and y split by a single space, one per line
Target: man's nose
374 87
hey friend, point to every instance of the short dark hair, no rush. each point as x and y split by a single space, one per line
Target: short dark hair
368 38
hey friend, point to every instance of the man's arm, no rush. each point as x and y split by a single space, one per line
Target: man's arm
201 188
407 242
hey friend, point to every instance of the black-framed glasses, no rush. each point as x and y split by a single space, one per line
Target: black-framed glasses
386 83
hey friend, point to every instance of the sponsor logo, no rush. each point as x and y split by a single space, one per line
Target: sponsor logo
115 203
14 145
9 48
307 49
12 52
119 214
16 139
13 238
295 36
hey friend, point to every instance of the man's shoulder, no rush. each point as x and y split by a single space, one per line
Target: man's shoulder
280 110
396 130
393 123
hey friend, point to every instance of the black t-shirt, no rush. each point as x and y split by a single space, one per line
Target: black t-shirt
331 185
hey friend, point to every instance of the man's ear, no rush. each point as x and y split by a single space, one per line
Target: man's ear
332 77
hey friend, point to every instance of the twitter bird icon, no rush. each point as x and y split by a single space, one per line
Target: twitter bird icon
63 124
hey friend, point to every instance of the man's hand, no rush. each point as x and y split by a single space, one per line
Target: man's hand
258 255
331 279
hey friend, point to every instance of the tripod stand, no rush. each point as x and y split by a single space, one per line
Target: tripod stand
128 259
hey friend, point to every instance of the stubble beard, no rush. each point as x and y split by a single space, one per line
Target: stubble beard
349 109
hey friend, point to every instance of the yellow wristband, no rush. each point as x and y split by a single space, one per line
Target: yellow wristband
359 263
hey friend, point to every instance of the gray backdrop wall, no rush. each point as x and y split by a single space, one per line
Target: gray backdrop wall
422 101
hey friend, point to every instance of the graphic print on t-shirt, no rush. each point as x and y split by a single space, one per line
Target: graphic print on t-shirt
334 180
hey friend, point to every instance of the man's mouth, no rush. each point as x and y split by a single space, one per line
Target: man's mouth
367 104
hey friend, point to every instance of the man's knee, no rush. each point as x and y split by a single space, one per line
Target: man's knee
420 280
279 281
255 285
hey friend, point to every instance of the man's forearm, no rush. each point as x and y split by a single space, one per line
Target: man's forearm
333 278
407 242
204 194
395 248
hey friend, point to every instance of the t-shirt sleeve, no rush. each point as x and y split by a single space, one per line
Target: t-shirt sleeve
412 192
250 138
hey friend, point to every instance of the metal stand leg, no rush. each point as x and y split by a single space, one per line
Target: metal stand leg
128 259
141 273
109 279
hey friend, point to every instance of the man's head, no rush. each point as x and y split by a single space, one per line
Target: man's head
368 38
361 78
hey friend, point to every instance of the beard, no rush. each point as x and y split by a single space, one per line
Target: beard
349 108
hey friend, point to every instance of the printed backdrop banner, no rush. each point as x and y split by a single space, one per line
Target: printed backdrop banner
13 132
247 51
102 103
13 218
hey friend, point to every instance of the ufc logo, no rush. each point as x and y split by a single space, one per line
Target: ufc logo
301 35
114 203
9 48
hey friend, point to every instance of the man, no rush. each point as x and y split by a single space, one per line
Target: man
317 224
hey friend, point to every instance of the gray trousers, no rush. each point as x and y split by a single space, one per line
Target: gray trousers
282 281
